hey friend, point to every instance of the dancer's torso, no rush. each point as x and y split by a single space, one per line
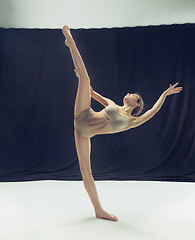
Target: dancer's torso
99 122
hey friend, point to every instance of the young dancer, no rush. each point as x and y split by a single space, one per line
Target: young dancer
113 118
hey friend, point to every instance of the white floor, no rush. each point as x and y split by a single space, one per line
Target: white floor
61 210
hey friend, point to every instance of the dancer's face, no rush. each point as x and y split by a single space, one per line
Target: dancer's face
131 99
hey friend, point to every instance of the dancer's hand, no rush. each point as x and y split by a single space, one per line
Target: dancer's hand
173 89
77 73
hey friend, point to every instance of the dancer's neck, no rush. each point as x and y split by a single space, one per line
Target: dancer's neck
128 109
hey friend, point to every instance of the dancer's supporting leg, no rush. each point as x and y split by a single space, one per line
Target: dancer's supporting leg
83 145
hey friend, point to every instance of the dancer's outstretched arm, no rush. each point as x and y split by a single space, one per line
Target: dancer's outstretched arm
99 98
150 113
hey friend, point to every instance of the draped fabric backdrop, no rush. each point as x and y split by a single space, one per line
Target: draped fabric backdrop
37 94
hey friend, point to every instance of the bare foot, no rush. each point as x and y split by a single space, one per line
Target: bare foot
67 34
104 215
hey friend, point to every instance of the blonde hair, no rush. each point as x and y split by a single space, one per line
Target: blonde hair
137 110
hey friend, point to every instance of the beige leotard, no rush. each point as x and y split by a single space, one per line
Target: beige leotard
118 122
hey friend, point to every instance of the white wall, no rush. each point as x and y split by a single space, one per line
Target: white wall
94 13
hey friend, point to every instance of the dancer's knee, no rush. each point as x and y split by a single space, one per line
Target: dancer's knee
82 75
86 173
84 78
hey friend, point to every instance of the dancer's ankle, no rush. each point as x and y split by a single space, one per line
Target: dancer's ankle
98 209
69 43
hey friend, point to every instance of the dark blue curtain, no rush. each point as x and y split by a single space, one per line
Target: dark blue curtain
37 94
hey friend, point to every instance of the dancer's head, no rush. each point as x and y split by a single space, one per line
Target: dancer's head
135 101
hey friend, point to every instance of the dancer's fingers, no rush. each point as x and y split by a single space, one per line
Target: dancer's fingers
175 84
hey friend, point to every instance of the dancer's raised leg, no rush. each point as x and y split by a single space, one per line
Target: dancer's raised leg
77 59
83 145
83 97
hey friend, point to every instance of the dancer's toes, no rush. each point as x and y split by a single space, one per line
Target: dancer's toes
65 29
104 215
67 34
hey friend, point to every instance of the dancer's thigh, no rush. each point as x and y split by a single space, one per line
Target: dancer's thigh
83 97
